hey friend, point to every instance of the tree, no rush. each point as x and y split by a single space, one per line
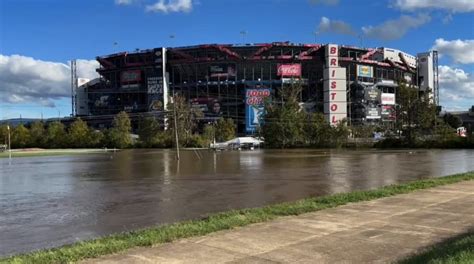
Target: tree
20 137
284 119
186 120
3 134
97 138
224 129
37 132
119 134
452 120
406 110
79 134
317 130
340 132
148 128
55 135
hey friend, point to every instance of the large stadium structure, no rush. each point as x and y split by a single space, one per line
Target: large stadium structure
232 81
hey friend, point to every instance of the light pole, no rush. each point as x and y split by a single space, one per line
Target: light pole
243 33
9 144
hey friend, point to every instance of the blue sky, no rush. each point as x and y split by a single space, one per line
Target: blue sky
39 37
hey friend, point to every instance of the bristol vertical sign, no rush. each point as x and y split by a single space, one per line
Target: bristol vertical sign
335 87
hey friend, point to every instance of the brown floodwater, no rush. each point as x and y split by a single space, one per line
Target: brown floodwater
51 201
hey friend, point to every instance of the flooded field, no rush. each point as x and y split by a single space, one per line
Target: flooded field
52 201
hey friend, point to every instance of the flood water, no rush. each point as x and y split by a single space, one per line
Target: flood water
52 201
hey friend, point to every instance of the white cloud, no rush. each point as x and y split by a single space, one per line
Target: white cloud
124 2
335 26
167 6
28 80
396 28
325 2
460 51
456 87
459 6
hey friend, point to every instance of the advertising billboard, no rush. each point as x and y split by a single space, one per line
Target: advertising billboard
289 70
372 113
372 94
255 107
156 82
210 107
222 70
131 76
388 112
387 99
365 71
335 87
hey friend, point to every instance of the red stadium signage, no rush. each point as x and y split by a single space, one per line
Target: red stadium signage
289 70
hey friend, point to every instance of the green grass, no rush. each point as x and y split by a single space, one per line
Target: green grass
220 221
459 249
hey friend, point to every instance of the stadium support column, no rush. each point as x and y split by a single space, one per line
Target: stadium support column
335 87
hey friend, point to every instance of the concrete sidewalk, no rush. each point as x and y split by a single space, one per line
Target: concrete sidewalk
378 231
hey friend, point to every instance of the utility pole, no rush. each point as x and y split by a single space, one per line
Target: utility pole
175 127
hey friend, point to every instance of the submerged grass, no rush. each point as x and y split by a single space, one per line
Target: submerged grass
459 250
41 153
220 221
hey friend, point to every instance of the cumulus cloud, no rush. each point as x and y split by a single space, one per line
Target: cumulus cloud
459 6
396 28
335 26
168 6
324 2
124 2
28 80
460 51
456 87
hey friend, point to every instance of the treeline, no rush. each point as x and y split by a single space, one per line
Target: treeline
151 133
77 135
417 125
287 125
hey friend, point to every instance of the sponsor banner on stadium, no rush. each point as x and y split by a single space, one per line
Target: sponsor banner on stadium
388 112
335 87
255 107
222 70
372 113
210 107
155 85
387 99
365 71
372 94
289 70
131 76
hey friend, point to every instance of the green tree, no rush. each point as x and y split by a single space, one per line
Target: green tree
20 137
97 138
317 130
79 134
224 129
55 135
186 120
3 134
119 134
148 128
340 132
37 135
284 120
452 120
209 133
